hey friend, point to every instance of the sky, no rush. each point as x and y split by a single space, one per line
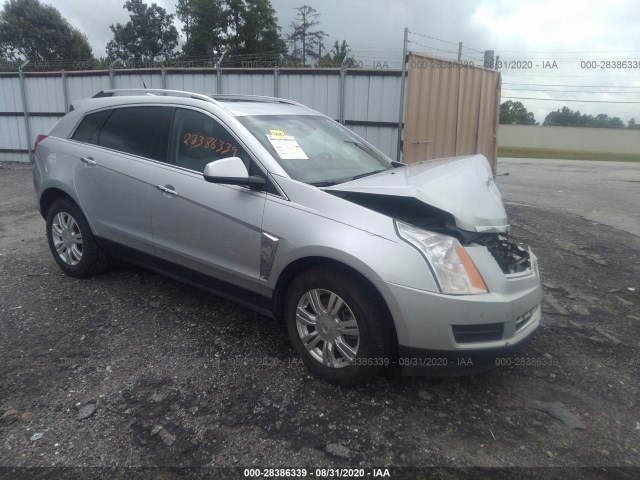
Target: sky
587 40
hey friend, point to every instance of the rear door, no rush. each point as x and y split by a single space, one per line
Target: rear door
209 228
116 149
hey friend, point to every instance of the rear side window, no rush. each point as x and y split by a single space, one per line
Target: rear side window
142 131
89 128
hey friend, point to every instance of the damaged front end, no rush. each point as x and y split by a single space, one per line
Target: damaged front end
511 257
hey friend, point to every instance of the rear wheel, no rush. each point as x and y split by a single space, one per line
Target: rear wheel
71 241
337 325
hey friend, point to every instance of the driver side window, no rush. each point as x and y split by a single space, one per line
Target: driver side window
198 139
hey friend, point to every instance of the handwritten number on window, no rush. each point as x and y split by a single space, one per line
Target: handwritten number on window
212 143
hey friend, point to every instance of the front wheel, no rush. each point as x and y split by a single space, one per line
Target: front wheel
337 326
71 241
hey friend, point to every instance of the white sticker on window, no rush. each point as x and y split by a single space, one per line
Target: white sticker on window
287 147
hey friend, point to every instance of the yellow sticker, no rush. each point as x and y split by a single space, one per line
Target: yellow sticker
277 133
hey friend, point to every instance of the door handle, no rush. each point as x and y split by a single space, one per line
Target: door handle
169 189
88 160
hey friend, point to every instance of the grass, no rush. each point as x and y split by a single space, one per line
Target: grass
526 152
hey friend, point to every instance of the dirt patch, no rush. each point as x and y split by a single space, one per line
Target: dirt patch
180 377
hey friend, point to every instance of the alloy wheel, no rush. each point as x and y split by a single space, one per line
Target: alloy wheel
67 238
328 328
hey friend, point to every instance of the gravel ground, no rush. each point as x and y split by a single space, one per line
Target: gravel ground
134 369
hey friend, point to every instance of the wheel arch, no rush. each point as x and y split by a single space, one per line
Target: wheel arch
299 265
49 196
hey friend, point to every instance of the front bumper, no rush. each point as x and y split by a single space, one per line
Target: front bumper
436 330
421 362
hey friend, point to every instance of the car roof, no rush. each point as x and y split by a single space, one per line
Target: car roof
236 105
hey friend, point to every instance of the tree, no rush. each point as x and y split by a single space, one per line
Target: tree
632 124
31 30
252 27
206 23
148 35
185 15
514 113
302 32
568 118
260 32
337 55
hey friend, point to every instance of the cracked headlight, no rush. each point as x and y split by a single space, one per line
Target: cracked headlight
449 261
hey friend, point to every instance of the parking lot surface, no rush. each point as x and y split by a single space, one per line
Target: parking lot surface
131 368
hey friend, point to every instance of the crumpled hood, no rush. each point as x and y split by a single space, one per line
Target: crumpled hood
461 186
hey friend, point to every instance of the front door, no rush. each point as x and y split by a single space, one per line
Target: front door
212 229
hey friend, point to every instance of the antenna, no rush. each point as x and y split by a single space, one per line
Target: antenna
142 80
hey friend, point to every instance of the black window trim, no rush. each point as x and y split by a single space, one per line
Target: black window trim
265 174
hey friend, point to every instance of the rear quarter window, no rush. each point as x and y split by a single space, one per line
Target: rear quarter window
89 129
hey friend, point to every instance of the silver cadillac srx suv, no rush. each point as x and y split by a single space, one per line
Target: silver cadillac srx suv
370 262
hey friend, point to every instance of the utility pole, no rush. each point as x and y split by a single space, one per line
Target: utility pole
460 52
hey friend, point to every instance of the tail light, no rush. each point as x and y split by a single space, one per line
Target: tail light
39 138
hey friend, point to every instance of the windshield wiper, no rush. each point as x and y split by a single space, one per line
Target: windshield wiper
323 184
361 146
367 174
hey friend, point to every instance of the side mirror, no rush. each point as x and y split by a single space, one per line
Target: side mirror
231 171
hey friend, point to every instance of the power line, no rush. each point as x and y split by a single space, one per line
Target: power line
479 51
585 59
432 38
433 48
577 51
562 91
443 41
566 100
561 85
561 76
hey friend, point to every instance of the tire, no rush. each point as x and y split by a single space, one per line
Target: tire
71 241
346 307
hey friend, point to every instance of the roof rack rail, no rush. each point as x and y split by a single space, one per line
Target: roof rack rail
153 91
255 98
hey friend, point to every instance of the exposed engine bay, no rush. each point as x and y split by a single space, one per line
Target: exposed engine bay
511 257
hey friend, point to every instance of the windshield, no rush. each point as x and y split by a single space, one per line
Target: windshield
314 149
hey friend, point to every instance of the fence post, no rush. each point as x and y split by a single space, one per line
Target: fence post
65 90
402 86
343 82
25 108
276 74
343 86
112 78
164 77
219 75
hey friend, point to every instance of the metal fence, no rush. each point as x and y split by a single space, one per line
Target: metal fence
451 109
366 101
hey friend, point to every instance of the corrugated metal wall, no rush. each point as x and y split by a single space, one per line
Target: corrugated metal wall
371 97
451 110
12 128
